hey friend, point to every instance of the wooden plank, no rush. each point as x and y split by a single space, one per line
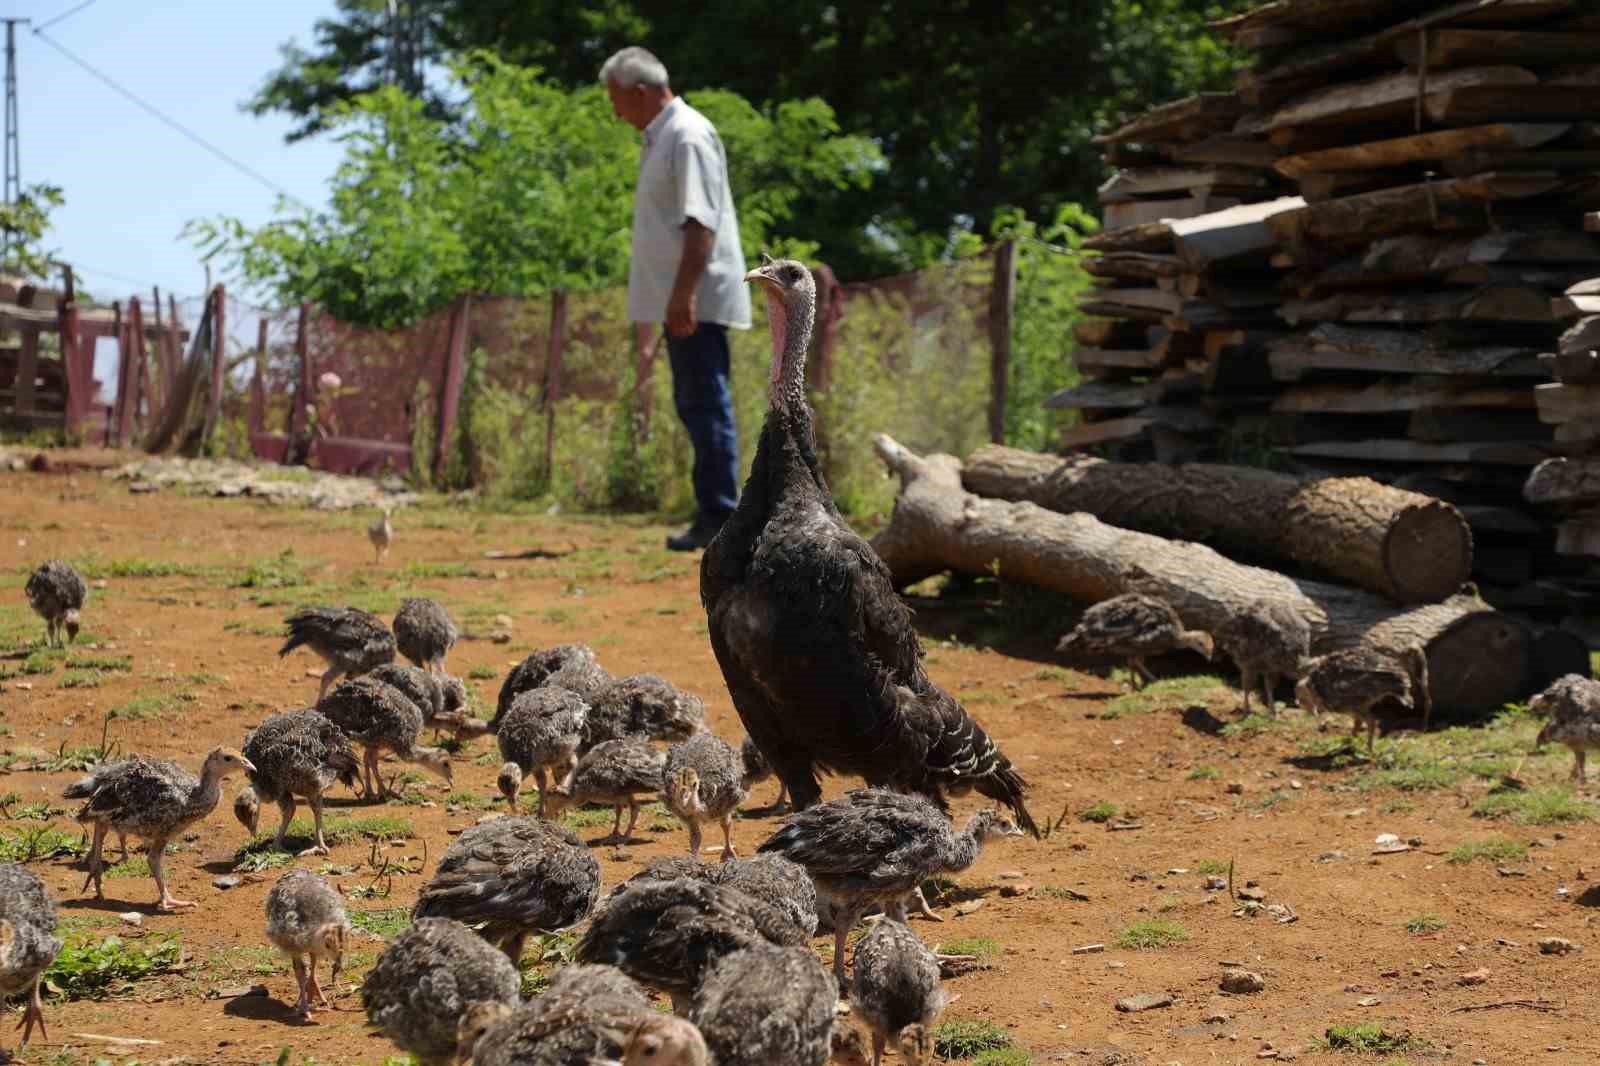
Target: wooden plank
1224 149
27 370
219 359
1442 48
1187 119
1389 211
1560 402
1150 237
1137 266
1385 97
1450 424
1566 308
1098 395
1288 22
1111 309
1236 231
1420 147
1491 303
1332 346
1494 453
1572 368
1117 358
1591 221
1109 333
1146 181
1477 161
1390 396
1002 300
1477 104
1422 256
1143 299
1143 212
1583 337
1109 431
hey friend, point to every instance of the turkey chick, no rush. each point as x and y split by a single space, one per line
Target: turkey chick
569 666
703 781
306 919
350 641
295 754
769 1005
643 705
1134 627
1573 704
617 772
895 989
380 718
56 591
541 730
1357 680
424 632
432 976
1267 640
28 942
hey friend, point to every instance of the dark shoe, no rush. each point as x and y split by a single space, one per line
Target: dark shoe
694 538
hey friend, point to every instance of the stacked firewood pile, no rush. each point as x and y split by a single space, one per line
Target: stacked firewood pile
1352 263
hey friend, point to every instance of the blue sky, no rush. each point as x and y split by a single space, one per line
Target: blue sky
131 182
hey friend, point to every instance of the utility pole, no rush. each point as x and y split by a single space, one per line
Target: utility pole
13 164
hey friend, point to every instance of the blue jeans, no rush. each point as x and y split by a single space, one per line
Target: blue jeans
704 400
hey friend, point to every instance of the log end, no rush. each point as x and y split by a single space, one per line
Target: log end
1427 552
1480 662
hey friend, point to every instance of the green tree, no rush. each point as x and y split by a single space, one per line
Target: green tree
24 224
530 189
975 103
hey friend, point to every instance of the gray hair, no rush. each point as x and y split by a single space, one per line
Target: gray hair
633 67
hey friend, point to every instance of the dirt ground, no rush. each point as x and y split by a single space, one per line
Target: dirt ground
170 596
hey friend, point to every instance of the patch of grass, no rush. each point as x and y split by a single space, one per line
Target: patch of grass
81 679
589 816
1205 772
969 1039
42 842
1495 849
123 663
40 811
254 862
142 708
1011 1056
483 673
386 922
1547 806
471 801
1153 933
982 947
1410 773
1424 923
1211 867
40 662
416 570
548 953
132 866
1103 811
1370 1038
1251 725
92 967
205 677
1169 692
1060 892
252 960
338 829
280 571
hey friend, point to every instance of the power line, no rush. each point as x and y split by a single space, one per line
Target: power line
243 168
65 14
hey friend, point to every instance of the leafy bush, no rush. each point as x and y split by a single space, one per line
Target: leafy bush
90 967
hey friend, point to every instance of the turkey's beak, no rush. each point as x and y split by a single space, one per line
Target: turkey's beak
760 274
249 767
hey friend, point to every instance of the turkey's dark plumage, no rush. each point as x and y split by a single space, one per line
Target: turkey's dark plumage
1132 626
774 880
569 666
424 632
643 705
586 1015
1573 704
381 718
817 650
1267 640
432 977
617 772
28 941
768 1005
299 754
349 640
56 591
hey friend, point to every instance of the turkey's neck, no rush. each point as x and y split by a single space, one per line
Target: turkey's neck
791 335
209 792
964 849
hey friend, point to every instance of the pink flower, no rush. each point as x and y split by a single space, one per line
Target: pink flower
330 380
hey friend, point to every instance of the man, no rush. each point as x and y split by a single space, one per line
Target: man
687 271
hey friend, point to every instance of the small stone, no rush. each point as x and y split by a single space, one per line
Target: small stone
1234 788
1116 964
1021 888
1368 1001
971 906
1510 871
1390 973
1214 884
1011 875
1331 856
1255 894
1474 977
1415 842
1088 949
1555 945
133 918
1143 1001
1294 783
227 881
1242 981
1216 1017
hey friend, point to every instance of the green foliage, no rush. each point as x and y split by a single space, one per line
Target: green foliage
981 947
42 842
24 222
966 1039
1549 806
1152 933
1370 1038
386 922
1011 1056
1103 811
1204 772
1211 867
280 571
91 967
1251 725
1495 850
1168 692
1424 923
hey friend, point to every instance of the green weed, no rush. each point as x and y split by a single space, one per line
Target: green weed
1205 772
1153 933
1211 867
120 663
981 947
1169 692
81 679
1103 811
386 922
41 842
280 571
1495 850
1424 923
968 1039
1549 806
1370 1038
91 967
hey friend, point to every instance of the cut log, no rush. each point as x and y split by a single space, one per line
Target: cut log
1134 213
1150 237
1563 483
1478 658
1337 347
1388 396
1482 161
1579 536
1226 234
1383 98
1443 48
1476 104
1491 303
1492 453
1182 120
1408 547
1109 333
1564 403
1429 205
1133 266
1420 147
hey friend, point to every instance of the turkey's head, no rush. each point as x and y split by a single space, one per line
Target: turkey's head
225 761
683 791
437 761
990 824
510 783
791 295
666 1040
915 1045
247 808
70 621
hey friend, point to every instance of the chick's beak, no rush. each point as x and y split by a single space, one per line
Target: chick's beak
249 767
762 274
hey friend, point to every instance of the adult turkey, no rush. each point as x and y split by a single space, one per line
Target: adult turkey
817 650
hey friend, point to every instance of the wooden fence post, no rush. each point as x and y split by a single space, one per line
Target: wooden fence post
258 391
301 394
455 369
78 381
138 378
158 347
1002 299
174 342
117 436
27 369
552 377
219 355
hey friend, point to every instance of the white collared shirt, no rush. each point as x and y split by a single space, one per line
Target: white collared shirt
683 174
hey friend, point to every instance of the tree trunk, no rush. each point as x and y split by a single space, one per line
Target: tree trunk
1478 658
1408 547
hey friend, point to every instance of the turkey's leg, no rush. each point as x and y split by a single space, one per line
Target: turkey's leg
922 906
319 846
843 923
286 808
96 862
727 838
1579 771
1372 735
1267 694
303 1007
167 902
33 1014
694 837
327 679
538 776
513 947
316 986
877 1048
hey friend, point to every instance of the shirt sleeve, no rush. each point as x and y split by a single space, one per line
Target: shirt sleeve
699 185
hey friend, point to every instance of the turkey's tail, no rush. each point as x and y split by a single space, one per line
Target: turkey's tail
306 627
964 757
346 767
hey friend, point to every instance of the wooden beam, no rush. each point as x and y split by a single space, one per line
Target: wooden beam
1129 184
1233 232
1002 301
1389 396
1150 237
1146 298
1420 147
1477 104
1491 303
1144 212
1133 266
139 366
1098 395
1187 119
1442 48
1111 430
1088 359
1387 96
1572 368
1583 337
78 366
1332 346
1559 402
1492 453
297 421
450 378
27 370
1369 216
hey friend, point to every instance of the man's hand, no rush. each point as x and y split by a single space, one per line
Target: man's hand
680 313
